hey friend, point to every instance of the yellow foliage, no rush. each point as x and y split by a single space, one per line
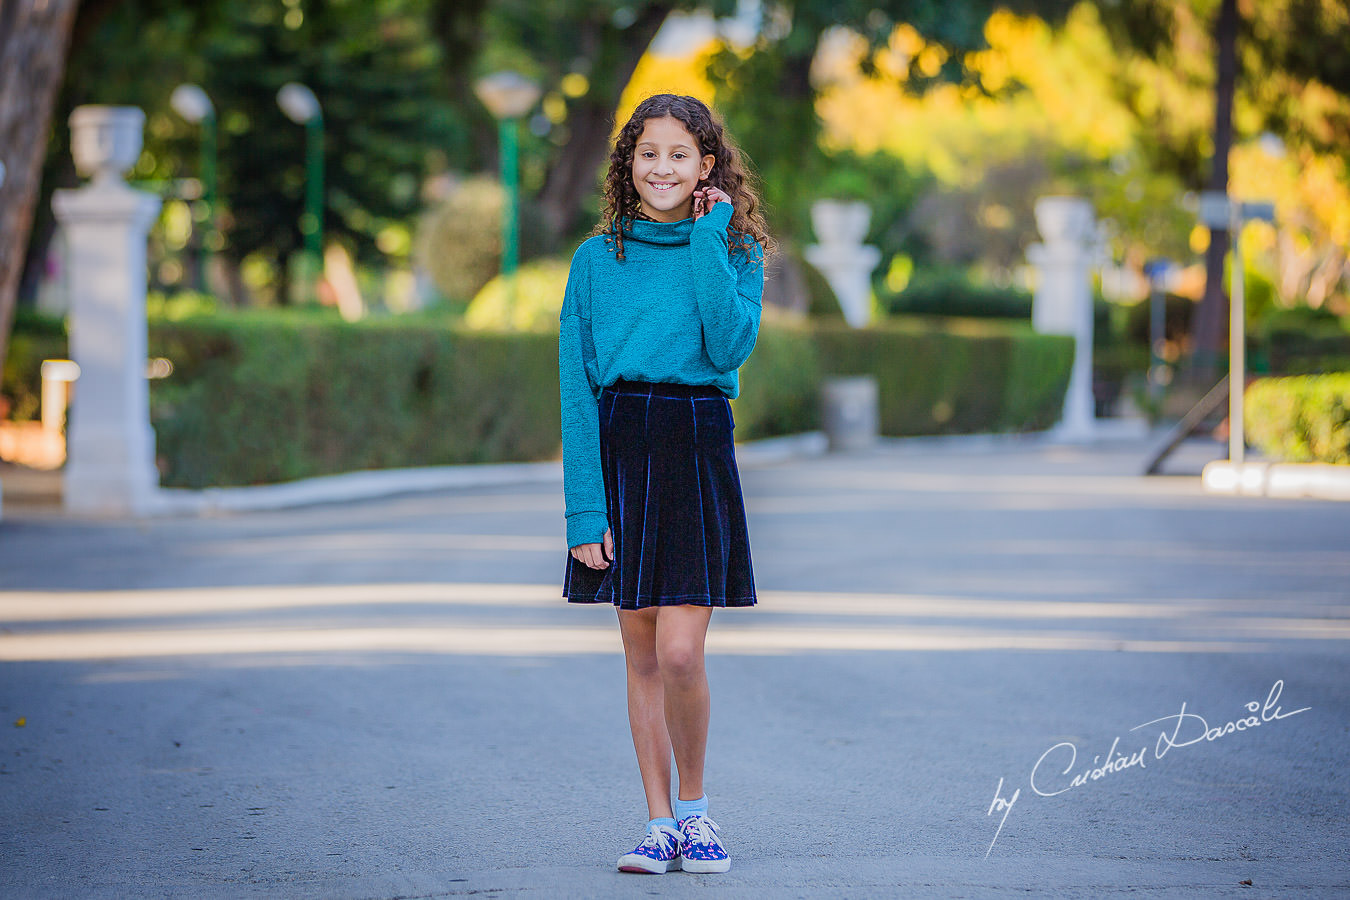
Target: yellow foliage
1310 191
1064 98
930 60
535 306
394 240
554 107
667 75
1199 239
1059 88
906 40
575 84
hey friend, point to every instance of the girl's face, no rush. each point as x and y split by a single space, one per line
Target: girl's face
667 168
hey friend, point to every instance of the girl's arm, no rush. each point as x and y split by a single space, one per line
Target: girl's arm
728 295
583 481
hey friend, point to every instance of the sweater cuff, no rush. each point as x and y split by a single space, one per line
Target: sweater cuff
719 216
586 528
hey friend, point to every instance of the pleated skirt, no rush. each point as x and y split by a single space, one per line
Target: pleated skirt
673 496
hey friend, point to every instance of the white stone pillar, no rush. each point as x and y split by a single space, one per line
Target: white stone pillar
1063 300
842 257
110 450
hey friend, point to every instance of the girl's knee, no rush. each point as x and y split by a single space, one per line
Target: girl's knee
681 661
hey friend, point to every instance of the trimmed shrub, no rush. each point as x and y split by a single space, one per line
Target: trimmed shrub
778 384
1037 378
539 288
1302 341
1301 418
954 294
459 241
960 377
1315 365
253 402
264 397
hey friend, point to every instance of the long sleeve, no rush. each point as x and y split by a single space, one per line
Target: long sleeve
583 480
729 296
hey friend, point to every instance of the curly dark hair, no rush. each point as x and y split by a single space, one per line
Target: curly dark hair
729 172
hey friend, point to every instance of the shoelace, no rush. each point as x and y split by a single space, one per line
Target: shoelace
658 839
704 829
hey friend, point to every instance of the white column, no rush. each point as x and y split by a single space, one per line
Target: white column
842 257
1063 300
110 449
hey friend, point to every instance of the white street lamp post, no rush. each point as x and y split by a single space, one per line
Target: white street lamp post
302 107
191 102
508 96
1218 210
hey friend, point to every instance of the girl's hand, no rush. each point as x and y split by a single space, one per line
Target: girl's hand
590 553
705 197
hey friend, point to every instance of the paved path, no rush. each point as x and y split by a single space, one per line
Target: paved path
390 698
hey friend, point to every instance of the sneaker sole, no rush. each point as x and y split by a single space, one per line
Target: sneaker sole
644 865
707 866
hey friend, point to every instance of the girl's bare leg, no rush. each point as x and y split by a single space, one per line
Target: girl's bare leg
680 634
647 707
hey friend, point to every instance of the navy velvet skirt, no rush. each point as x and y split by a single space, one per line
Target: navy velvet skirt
673 496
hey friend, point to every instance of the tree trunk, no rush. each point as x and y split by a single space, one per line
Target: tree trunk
572 175
33 40
1210 317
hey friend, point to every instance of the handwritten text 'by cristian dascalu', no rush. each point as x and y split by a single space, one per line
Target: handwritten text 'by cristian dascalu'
1051 776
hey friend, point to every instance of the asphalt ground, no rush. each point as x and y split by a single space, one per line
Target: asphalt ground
391 699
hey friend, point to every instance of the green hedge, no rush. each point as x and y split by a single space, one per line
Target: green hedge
965 376
778 384
267 397
1303 341
947 293
1305 418
251 402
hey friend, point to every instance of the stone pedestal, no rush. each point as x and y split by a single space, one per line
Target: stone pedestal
842 257
110 449
849 411
1063 300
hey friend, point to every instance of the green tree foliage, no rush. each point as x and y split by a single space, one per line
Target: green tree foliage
1276 65
375 68
583 53
769 97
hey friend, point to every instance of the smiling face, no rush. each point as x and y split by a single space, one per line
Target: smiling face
667 168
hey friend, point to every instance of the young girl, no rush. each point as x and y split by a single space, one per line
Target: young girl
662 307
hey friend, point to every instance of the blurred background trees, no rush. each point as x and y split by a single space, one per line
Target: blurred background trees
947 119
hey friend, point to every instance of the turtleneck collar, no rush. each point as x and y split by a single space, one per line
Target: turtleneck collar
652 232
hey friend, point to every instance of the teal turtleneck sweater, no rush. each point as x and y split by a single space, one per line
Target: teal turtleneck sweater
683 306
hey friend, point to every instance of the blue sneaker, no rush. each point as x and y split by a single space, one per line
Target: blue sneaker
658 853
701 848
